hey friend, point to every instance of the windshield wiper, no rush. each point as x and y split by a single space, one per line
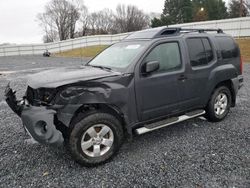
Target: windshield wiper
101 67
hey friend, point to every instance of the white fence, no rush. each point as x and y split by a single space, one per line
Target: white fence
36 49
237 27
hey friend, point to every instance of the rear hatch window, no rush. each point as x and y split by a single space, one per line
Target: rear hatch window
230 52
228 47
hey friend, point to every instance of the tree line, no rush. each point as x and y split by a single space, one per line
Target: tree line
66 19
184 11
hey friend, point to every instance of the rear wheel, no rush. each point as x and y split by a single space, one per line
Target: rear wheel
219 104
95 139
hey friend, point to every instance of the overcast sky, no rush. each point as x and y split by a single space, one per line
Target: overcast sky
18 17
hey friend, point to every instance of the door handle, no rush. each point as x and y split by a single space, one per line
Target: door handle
182 78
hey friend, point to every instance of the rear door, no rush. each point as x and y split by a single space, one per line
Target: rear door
202 60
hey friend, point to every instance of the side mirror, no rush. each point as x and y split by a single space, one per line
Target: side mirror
152 66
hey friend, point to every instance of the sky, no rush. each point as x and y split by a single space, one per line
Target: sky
18 18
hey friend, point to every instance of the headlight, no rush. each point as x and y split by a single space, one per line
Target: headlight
46 95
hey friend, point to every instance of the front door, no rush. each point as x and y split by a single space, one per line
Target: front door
158 93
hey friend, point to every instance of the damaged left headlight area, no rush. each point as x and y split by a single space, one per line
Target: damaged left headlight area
37 117
41 96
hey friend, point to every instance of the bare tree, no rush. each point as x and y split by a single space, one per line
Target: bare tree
102 22
130 18
84 20
93 23
50 37
96 23
248 6
106 21
74 15
63 16
126 19
237 9
48 27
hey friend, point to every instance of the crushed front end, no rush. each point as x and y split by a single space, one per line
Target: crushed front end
37 118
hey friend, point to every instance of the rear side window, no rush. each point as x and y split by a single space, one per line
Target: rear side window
200 51
228 47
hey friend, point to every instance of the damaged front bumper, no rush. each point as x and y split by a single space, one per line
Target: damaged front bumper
37 120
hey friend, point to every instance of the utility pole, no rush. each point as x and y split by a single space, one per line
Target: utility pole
241 8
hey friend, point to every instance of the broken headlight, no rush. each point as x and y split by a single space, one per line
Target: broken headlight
46 95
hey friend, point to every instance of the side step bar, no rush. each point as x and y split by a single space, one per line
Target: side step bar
170 121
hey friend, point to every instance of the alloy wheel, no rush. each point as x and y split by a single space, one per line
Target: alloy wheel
97 140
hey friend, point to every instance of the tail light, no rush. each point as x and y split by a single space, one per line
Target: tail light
241 65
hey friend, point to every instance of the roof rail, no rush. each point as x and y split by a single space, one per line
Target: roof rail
167 31
178 30
201 30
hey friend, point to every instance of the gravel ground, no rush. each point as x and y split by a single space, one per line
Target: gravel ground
195 153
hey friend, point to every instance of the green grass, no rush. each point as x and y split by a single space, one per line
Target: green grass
89 51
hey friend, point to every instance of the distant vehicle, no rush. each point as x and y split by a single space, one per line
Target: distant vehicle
152 79
46 54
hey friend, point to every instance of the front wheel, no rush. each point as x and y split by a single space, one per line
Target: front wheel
219 104
95 139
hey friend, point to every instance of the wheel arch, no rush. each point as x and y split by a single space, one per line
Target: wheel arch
223 75
87 109
229 84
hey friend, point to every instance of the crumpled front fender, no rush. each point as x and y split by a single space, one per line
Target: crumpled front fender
39 122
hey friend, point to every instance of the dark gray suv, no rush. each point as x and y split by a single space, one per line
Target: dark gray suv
152 79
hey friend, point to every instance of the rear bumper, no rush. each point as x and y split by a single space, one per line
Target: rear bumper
241 80
37 120
237 83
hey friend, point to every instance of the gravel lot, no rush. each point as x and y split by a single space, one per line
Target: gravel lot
195 153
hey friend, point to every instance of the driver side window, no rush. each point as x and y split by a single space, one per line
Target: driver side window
168 55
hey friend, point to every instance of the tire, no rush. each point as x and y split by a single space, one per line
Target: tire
219 104
95 139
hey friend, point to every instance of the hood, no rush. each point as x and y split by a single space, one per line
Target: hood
67 75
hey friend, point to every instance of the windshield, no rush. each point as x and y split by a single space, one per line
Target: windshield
119 55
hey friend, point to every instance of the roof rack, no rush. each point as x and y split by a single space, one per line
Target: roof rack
167 31
202 30
174 31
